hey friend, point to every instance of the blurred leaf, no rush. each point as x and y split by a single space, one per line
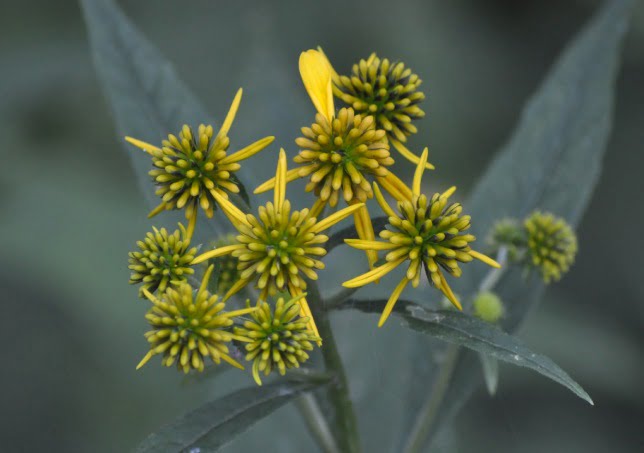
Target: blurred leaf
490 367
551 162
465 330
215 424
147 98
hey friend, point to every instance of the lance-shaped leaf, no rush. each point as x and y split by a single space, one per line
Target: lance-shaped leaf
551 162
465 330
214 424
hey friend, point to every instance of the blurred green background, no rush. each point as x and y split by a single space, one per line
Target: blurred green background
71 210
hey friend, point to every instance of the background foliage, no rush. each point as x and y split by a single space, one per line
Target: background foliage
64 277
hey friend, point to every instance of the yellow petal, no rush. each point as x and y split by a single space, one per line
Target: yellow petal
486 259
448 193
334 74
448 291
232 361
364 227
230 117
316 75
234 214
205 279
369 245
402 149
291 175
219 251
141 144
396 188
145 359
242 312
279 194
192 222
335 218
157 210
373 274
247 152
392 301
418 174
305 310
235 289
382 202
317 208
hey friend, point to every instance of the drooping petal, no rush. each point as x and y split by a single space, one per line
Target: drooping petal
395 295
373 274
486 259
418 174
396 188
411 157
317 74
382 202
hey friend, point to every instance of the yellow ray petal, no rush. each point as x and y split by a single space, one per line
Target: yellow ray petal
158 209
291 175
448 193
230 117
205 279
448 291
242 312
279 194
192 222
392 301
365 231
328 62
317 208
305 310
145 359
382 202
373 274
335 218
402 149
247 152
232 361
486 259
418 174
234 214
235 289
396 188
219 251
141 144
316 75
369 245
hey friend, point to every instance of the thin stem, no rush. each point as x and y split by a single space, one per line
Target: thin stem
427 415
318 426
339 298
345 418
428 412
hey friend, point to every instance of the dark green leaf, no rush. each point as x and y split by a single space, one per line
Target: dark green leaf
147 98
551 162
214 424
464 330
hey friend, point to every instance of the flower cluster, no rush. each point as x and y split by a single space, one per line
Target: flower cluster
278 250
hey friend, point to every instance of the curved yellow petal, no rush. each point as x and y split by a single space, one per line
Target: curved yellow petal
364 227
291 175
335 218
234 214
392 301
372 275
448 291
418 174
219 251
248 151
382 202
361 244
280 181
141 144
316 75
333 73
396 188
486 259
411 157
233 362
230 117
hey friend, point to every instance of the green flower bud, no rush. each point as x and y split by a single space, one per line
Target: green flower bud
488 307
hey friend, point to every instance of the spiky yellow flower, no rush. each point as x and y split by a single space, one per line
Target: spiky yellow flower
188 327
278 247
276 340
341 153
429 234
191 167
552 245
389 92
226 266
163 258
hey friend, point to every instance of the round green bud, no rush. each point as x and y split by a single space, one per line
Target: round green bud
488 307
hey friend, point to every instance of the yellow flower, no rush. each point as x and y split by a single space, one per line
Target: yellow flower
191 168
163 258
278 247
551 245
387 91
189 327
276 340
341 153
429 234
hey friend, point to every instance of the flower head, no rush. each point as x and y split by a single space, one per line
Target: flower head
508 233
278 247
488 307
428 233
191 167
163 258
552 245
189 327
276 340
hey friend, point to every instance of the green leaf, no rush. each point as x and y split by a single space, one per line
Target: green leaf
468 331
551 162
147 98
215 424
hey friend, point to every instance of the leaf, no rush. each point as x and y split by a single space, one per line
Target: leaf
490 367
215 424
551 162
146 96
468 331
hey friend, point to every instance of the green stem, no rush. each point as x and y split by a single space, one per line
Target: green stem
344 417
317 424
